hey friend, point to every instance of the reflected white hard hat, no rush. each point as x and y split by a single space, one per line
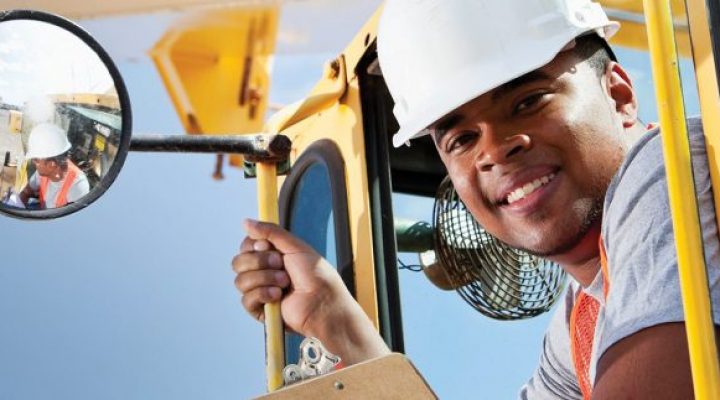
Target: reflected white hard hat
47 141
437 55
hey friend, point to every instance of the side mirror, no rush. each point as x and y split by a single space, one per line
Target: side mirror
65 119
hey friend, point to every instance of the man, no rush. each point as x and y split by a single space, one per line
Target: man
57 181
537 125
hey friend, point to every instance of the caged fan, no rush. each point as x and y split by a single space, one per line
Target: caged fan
497 280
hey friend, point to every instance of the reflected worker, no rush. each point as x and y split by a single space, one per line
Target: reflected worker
57 181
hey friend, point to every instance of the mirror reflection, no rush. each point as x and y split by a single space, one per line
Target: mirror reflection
60 116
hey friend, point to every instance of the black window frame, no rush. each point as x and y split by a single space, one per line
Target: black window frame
327 153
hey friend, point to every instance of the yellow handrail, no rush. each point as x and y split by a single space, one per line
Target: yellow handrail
274 331
683 204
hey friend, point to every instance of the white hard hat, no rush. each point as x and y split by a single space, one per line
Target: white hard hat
437 55
47 141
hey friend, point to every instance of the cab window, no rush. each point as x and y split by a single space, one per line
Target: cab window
313 204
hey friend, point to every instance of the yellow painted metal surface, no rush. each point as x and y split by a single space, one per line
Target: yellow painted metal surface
707 89
100 142
683 204
637 6
340 120
15 125
332 111
94 9
21 177
216 67
109 100
633 34
707 81
274 330
325 94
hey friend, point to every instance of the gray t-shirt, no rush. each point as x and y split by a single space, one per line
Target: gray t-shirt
642 264
79 188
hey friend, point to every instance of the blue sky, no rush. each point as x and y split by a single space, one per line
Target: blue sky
133 297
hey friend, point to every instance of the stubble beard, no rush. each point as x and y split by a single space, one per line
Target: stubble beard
589 219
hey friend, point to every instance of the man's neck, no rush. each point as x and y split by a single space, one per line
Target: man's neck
583 260
585 273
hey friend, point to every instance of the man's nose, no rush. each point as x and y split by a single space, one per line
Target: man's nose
498 147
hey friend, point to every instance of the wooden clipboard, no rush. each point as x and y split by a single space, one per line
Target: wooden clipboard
389 377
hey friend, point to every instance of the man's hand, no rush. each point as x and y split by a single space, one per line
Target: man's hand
270 260
25 194
273 265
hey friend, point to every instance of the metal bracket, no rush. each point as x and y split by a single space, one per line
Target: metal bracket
315 360
250 168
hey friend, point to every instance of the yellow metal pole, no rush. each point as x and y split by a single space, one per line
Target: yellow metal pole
274 331
708 91
683 204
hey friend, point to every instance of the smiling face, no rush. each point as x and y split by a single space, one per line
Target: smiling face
532 159
50 169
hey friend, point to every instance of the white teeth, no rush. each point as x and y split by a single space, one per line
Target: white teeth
528 188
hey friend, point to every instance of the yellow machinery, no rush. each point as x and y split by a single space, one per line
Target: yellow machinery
216 68
341 147
107 100
16 119
693 275
348 114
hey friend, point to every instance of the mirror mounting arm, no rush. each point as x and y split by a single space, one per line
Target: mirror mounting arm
255 148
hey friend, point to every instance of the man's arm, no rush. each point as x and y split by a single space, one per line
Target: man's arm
643 350
79 189
26 193
651 364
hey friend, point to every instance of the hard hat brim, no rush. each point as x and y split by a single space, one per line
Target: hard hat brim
40 156
464 87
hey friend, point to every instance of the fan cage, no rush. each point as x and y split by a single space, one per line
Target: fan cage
497 280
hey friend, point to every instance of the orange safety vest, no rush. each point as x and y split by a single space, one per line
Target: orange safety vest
61 199
583 320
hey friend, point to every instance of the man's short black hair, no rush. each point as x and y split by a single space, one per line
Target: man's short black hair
595 51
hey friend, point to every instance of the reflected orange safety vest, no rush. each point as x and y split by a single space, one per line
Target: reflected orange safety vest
61 198
583 320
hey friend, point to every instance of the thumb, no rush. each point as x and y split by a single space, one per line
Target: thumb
283 241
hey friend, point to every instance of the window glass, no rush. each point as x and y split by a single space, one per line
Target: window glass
312 220
311 217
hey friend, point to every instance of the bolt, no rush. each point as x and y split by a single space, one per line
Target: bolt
339 385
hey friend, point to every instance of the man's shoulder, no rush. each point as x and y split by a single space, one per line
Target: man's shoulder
644 160
81 184
649 147
81 176
34 181
639 240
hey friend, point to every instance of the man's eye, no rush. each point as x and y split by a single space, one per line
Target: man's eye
460 141
528 103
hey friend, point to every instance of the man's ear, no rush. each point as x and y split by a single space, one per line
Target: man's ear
620 90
